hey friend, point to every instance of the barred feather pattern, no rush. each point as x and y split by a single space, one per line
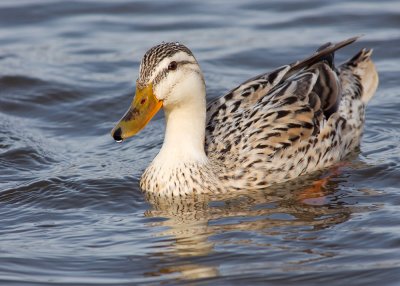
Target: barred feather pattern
309 121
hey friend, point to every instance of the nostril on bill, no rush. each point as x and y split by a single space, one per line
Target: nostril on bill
117 135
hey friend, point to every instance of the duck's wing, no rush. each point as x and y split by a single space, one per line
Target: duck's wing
277 111
244 96
325 52
289 113
249 92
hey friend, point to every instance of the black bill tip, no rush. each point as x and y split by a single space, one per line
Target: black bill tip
117 135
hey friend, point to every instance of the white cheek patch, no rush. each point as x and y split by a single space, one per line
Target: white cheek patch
163 65
166 85
163 88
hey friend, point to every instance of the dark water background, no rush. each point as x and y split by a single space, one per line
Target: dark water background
71 212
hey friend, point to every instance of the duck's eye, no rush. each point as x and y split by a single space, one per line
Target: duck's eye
172 66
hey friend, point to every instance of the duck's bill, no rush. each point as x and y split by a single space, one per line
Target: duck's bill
143 107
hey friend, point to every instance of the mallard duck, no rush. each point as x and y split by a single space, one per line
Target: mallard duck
277 126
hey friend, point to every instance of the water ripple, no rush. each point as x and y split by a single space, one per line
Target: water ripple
71 207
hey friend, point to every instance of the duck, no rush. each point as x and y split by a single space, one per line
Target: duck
299 118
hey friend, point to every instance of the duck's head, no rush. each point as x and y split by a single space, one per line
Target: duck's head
168 73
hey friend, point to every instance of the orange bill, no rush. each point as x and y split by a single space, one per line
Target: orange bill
143 107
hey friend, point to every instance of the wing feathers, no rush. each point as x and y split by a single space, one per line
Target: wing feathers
317 56
276 110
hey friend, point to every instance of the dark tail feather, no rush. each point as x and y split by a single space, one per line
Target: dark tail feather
329 58
323 53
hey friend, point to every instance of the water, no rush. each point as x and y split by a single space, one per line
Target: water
71 211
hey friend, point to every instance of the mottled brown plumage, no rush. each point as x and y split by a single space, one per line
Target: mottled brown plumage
272 128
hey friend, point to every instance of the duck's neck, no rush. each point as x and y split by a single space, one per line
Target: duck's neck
185 132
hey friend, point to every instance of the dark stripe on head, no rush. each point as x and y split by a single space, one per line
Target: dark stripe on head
154 56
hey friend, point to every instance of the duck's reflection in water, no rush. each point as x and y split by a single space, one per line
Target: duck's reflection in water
199 224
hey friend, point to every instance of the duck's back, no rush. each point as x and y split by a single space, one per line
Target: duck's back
294 120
